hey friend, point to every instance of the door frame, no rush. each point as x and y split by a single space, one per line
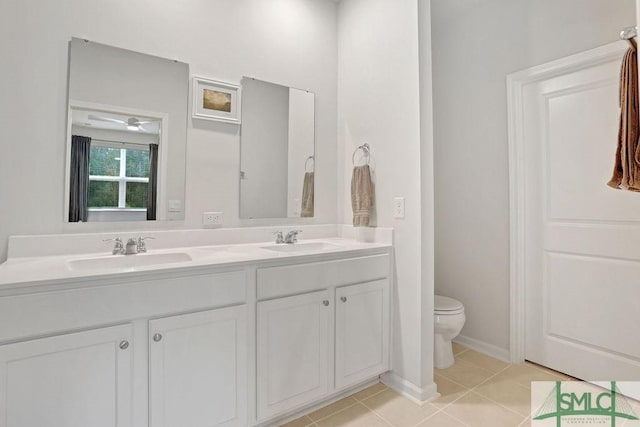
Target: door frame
516 83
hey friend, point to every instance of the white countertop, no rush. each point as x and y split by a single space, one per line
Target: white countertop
40 269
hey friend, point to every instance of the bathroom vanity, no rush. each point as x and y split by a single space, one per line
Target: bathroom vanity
217 335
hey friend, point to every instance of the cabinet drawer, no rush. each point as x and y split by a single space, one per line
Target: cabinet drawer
293 279
24 316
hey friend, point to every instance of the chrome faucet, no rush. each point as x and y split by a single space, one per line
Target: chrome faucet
292 236
132 247
279 237
118 247
142 246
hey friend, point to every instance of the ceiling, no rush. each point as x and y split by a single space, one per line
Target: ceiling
91 119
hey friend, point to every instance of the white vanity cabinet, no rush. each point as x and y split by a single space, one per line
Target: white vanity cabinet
198 369
72 380
292 351
241 343
321 328
158 369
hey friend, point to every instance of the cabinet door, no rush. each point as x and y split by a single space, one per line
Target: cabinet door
362 332
73 380
198 370
292 351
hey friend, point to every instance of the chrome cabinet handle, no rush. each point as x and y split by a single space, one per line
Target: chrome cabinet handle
343 299
325 302
124 344
157 337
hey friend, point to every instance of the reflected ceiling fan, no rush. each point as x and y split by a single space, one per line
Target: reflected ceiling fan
131 123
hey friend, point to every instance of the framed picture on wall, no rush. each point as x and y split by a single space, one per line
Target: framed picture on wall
214 100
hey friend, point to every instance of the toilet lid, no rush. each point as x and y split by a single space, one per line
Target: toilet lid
446 304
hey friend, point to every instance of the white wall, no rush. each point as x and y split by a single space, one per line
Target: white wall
379 103
475 45
292 42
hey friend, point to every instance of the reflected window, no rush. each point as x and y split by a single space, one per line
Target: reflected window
118 178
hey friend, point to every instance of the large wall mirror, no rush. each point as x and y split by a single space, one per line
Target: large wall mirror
277 157
126 135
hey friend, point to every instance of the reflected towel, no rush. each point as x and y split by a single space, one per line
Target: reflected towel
362 195
307 196
626 173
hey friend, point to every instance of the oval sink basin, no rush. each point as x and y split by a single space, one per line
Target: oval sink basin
302 247
118 262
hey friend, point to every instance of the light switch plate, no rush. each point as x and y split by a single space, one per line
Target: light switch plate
175 205
398 207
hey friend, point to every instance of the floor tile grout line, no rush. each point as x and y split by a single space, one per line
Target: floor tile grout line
491 400
524 421
463 349
438 410
374 394
472 389
466 391
495 402
356 401
473 365
491 377
336 412
465 386
482 367
383 418
377 414
456 418
389 422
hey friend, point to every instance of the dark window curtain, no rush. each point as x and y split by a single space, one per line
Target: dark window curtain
152 189
79 179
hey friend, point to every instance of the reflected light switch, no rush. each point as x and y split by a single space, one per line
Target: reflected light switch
175 206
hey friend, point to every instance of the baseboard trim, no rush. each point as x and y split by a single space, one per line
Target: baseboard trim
408 389
483 347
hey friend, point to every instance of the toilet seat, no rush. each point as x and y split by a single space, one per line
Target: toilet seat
445 306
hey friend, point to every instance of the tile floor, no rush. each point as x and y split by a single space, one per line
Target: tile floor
477 391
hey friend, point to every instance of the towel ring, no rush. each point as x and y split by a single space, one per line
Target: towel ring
366 149
313 164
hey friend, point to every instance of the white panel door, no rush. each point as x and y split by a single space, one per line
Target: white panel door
362 332
73 380
582 250
292 352
198 369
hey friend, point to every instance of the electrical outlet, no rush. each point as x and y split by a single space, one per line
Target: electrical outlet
398 207
212 219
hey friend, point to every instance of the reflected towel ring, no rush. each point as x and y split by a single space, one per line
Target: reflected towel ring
313 164
366 149
629 34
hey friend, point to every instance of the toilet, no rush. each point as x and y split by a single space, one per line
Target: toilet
448 317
